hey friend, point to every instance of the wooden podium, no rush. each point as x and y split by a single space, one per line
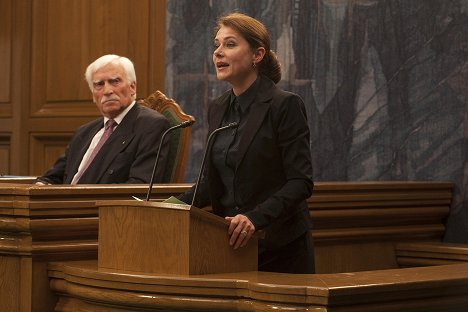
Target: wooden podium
162 238
367 231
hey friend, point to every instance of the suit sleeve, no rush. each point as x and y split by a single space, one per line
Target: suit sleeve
55 175
292 134
142 166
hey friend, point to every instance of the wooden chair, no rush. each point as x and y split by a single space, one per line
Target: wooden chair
180 138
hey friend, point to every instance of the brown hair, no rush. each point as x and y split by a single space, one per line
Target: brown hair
256 34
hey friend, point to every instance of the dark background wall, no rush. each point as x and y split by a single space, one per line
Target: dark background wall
384 82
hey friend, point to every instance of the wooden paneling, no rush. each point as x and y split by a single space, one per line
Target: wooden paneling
71 34
46 148
56 222
9 282
5 57
6 19
357 224
185 239
4 154
45 48
427 254
51 223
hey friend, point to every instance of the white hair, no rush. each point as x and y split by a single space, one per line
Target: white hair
107 59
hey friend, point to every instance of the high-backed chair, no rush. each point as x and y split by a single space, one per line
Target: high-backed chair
179 138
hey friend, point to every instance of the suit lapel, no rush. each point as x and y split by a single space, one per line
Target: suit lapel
218 111
118 141
83 145
255 117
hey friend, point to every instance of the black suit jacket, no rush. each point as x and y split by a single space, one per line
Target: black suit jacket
273 175
127 156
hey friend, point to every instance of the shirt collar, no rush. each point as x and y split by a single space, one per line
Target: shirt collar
121 116
247 96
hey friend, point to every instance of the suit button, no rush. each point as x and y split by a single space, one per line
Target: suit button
111 171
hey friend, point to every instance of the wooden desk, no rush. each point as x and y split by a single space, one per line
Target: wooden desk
39 224
82 287
428 254
17 179
357 224
356 227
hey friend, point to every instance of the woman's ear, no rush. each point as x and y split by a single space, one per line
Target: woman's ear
258 55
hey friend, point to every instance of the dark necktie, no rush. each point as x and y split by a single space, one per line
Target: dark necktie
110 124
236 112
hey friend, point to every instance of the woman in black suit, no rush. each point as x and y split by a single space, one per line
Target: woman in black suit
259 175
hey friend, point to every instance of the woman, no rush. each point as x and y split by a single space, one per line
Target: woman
259 175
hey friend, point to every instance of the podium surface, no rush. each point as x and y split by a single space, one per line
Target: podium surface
86 288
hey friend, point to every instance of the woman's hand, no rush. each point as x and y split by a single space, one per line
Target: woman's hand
240 230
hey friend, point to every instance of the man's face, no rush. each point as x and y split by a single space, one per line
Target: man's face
112 92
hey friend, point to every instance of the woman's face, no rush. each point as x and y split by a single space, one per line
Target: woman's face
233 59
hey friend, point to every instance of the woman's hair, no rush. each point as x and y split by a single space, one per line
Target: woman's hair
256 34
126 64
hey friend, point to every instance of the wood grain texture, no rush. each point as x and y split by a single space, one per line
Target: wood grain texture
149 237
9 282
50 223
428 254
64 45
441 288
45 50
357 224
5 57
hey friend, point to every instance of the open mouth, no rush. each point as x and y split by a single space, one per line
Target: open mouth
221 65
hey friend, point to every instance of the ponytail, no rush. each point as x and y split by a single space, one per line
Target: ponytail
270 67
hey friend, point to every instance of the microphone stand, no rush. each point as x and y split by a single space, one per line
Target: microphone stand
208 148
185 124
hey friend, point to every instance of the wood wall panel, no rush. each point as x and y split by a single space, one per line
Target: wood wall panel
45 47
45 149
69 35
4 154
5 57
9 272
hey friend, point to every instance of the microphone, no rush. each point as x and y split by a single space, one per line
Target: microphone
208 148
184 124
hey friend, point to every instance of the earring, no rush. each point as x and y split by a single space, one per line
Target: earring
254 65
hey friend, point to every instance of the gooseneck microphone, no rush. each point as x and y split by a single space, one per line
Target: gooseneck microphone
185 124
208 148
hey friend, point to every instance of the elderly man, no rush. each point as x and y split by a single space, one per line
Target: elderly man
120 146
